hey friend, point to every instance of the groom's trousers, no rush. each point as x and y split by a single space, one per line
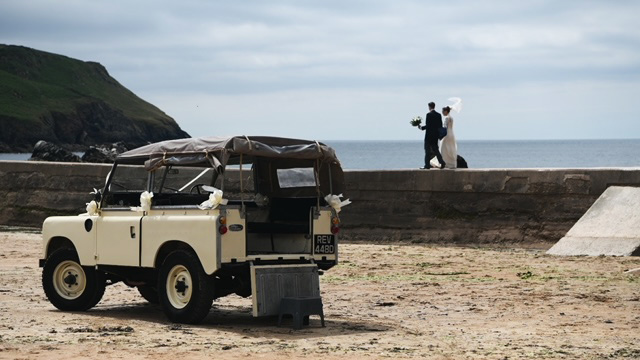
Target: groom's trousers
430 149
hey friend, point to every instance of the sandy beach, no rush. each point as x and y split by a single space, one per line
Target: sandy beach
382 301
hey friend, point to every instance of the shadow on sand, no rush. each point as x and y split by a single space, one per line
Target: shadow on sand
239 319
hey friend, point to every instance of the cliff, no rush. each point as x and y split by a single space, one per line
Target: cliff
71 103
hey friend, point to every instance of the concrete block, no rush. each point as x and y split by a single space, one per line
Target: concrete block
592 246
610 227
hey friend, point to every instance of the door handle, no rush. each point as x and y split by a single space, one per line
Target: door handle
132 231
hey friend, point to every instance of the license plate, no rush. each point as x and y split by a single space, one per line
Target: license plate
324 244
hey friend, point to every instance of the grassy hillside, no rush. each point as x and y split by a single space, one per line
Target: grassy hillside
71 102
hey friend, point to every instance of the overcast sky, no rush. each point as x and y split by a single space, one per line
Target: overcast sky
358 69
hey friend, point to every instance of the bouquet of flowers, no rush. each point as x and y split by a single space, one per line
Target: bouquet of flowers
416 121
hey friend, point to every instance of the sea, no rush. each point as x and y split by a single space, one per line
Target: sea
483 154
480 154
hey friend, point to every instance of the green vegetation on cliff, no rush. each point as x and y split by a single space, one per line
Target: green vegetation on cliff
51 97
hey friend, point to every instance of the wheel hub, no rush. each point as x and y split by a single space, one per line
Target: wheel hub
69 280
179 286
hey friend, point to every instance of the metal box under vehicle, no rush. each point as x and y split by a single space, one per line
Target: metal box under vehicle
270 283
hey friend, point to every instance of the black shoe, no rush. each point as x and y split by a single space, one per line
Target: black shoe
425 168
442 166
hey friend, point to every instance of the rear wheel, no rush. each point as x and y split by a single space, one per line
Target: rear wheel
184 289
70 286
149 293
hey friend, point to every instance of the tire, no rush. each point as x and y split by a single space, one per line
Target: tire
149 293
184 289
70 286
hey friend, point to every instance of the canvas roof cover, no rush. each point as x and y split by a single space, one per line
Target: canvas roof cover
222 151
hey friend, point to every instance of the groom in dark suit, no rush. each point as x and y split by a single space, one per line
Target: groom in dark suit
433 123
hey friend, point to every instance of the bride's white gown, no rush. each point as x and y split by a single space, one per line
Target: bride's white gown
448 146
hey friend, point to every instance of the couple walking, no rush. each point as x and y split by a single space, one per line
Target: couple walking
447 154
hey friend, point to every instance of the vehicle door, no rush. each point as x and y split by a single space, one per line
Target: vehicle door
118 237
118 226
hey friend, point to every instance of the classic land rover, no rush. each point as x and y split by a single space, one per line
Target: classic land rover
165 223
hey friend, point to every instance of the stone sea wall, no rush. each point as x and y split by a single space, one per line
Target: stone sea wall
461 206
474 206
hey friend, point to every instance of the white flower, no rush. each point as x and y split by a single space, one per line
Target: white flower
335 202
145 200
92 208
215 199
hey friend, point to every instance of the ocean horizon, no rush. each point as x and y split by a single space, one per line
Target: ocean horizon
479 154
501 154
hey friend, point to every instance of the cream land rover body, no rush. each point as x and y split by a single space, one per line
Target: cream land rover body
192 241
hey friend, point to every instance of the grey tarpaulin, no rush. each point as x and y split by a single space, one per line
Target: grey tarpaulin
225 150
263 151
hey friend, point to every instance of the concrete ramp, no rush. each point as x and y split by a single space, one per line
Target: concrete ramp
610 227
635 272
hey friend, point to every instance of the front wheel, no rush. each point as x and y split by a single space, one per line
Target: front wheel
70 286
184 289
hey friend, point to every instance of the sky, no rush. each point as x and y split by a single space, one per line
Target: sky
358 70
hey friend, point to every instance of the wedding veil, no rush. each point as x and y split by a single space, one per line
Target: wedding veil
457 104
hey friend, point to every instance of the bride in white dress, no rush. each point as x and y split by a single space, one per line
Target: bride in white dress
449 146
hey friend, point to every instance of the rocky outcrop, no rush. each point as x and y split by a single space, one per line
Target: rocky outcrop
103 154
46 151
